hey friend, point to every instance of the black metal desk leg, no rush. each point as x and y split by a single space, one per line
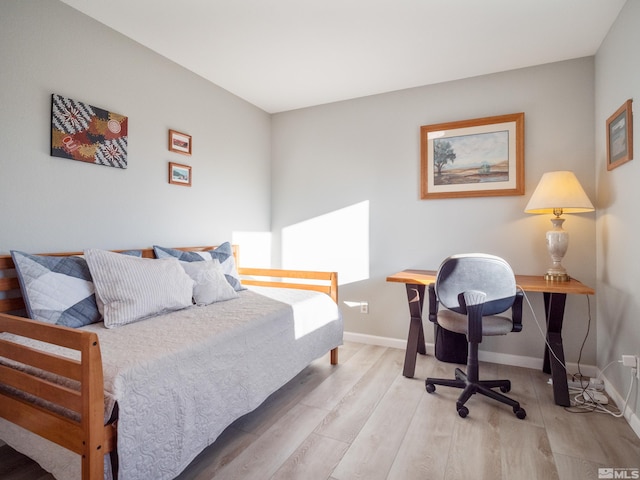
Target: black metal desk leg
554 311
415 341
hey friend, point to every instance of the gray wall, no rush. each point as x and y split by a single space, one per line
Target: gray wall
330 157
617 74
54 204
257 173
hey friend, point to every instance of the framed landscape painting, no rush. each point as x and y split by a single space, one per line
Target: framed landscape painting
473 158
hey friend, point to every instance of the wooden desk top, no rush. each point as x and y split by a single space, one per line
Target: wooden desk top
529 283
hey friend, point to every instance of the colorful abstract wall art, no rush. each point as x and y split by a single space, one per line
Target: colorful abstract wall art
88 134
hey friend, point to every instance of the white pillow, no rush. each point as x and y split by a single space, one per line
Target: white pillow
131 288
210 283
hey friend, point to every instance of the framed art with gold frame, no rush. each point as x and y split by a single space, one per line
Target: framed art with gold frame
473 158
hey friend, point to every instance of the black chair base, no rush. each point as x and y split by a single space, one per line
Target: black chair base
470 388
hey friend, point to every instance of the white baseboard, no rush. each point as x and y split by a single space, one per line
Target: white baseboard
484 356
381 341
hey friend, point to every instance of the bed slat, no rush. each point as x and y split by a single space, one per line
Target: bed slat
45 332
50 425
265 283
44 361
6 262
11 304
51 392
9 283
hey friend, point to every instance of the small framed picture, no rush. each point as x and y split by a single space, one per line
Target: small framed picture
620 136
179 174
179 142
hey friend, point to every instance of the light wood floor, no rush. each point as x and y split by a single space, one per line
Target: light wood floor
364 420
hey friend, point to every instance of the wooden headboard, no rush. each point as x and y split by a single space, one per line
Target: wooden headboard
10 295
11 300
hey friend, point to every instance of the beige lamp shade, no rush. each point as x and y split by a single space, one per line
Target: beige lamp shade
558 193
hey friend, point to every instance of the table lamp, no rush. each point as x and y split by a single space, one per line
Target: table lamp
558 193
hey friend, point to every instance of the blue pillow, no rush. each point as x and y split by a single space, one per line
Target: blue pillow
58 290
224 254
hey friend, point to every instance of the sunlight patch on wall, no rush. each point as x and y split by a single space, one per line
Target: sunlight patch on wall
337 241
255 248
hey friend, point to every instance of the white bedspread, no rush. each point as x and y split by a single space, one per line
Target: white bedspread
180 379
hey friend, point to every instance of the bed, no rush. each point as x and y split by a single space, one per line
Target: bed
142 400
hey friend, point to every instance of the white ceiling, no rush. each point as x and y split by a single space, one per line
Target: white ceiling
286 54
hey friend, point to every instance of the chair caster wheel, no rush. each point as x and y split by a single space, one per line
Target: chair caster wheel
520 413
430 387
504 389
463 411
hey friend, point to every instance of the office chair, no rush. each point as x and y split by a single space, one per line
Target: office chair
474 289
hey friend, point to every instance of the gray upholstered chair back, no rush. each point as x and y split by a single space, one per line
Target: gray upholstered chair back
479 272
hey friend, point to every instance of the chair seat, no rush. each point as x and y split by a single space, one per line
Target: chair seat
491 325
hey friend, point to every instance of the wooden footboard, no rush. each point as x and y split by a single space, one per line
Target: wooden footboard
325 282
82 430
73 417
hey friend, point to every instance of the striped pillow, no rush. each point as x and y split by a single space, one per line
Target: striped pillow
131 288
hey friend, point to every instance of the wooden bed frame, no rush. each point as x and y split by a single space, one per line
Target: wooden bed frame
89 436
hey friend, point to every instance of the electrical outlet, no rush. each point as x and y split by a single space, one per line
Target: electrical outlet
364 307
632 361
629 361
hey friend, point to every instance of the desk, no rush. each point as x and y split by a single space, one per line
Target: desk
555 295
